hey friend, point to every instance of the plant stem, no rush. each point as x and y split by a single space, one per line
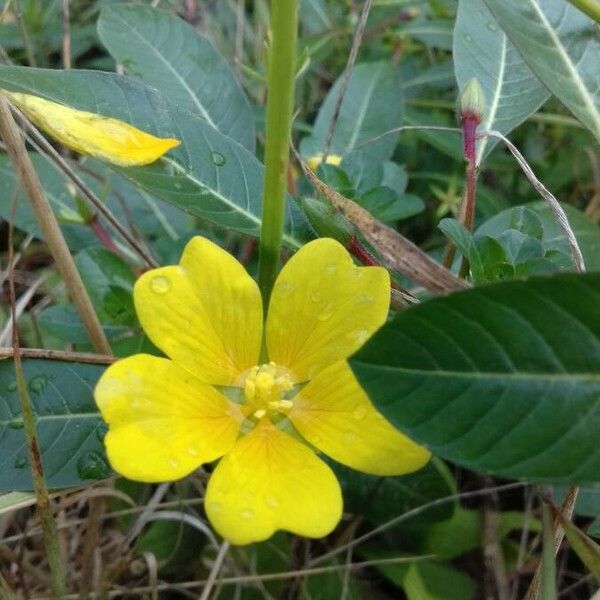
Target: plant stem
47 223
49 532
589 7
548 558
280 102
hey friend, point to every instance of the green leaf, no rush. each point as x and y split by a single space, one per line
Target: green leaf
584 546
561 45
457 233
70 429
165 52
536 220
482 50
380 500
208 175
372 105
387 206
436 33
494 378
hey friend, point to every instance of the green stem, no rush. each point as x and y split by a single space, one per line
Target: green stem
548 558
589 7
280 103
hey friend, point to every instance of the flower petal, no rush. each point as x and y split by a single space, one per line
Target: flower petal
323 308
334 414
205 314
163 422
270 481
96 135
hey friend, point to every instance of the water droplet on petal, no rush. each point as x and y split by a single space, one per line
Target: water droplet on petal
331 269
193 450
214 506
160 285
356 273
218 159
284 288
247 514
364 299
359 412
173 463
92 465
325 313
20 462
272 501
360 335
316 296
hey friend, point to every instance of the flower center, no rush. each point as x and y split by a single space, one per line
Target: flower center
265 387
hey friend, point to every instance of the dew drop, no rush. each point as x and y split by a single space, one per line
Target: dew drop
348 437
364 299
177 185
173 463
285 288
218 159
468 37
101 431
325 313
12 386
360 335
38 384
160 285
272 501
215 507
316 296
492 26
359 413
20 462
247 514
356 273
193 450
331 269
92 465
16 424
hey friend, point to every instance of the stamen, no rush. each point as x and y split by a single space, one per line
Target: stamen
260 413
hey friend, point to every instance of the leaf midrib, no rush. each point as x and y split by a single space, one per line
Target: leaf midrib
484 375
171 68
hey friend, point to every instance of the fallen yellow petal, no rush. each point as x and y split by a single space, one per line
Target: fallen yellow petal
92 134
316 159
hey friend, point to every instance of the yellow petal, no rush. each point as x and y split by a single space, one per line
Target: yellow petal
270 481
334 414
205 313
163 422
323 308
89 133
316 159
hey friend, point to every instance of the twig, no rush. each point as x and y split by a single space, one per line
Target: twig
20 306
214 572
49 227
409 515
555 207
45 354
49 532
345 79
50 153
66 31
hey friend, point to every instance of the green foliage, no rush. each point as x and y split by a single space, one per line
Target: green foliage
70 430
493 378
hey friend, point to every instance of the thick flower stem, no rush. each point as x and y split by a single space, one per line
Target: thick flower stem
589 7
280 102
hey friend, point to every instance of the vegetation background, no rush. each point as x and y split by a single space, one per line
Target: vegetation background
508 397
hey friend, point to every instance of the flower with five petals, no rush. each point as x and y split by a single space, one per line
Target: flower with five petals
265 406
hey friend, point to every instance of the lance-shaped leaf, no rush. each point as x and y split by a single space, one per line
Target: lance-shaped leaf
561 45
208 175
503 378
482 50
159 48
69 427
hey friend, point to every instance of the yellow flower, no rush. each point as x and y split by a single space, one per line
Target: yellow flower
316 159
216 396
88 133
